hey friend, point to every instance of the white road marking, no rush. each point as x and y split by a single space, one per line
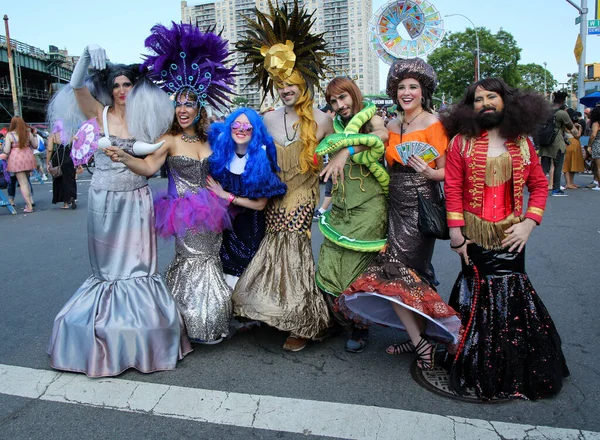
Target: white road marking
307 417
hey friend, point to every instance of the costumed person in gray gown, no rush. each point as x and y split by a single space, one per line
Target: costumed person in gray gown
123 316
190 66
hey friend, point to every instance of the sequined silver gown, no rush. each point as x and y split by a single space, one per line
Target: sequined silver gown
195 276
123 315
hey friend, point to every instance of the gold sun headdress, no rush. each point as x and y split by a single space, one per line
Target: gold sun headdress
281 48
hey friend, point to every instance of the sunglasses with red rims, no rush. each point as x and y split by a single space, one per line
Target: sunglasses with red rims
244 126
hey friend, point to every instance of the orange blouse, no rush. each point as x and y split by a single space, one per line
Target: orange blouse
434 135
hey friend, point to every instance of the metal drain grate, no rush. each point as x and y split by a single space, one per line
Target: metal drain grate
436 381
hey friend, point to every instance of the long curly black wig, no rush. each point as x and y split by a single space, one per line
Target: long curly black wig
524 111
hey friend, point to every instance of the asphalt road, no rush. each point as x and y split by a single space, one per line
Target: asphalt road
44 260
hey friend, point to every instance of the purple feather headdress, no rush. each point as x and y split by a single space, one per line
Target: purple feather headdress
185 58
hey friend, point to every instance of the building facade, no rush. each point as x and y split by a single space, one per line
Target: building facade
344 23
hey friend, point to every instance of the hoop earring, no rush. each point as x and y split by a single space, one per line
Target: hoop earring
423 101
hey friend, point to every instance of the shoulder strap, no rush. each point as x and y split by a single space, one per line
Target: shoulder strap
105 121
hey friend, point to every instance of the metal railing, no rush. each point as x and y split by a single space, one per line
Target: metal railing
26 92
17 46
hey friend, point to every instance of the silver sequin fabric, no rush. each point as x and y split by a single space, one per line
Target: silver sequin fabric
114 176
195 276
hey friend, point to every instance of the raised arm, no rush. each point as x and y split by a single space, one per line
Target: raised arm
96 57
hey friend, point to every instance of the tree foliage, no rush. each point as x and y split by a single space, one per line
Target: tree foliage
239 101
536 77
454 59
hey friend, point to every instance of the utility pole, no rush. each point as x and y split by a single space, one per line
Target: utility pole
477 55
583 24
545 87
11 71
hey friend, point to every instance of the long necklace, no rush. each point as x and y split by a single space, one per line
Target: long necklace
190 139
287 136
403 128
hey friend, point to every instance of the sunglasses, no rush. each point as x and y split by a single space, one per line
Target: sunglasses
244 126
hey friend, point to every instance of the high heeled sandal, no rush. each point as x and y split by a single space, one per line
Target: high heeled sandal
426 353
405 347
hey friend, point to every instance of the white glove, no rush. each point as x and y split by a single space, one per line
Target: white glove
97 56
92 54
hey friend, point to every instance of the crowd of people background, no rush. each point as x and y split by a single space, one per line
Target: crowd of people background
243 192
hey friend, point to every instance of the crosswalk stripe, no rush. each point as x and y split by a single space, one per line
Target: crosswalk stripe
307 417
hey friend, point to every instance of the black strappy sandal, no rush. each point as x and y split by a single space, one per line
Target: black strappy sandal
426 353
405 347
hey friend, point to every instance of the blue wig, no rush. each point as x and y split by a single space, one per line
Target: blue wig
259 178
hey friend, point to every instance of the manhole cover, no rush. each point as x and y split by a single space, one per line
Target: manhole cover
436 381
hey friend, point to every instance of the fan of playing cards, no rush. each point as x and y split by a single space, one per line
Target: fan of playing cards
425 151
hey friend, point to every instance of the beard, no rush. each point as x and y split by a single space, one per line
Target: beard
487 120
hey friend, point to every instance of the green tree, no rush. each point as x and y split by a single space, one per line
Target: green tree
536 77
454 60
239 101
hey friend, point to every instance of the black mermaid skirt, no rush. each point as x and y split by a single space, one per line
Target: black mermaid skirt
509 347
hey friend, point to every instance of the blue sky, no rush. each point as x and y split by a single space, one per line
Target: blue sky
544 29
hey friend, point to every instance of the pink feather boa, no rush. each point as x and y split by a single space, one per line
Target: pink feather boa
201 211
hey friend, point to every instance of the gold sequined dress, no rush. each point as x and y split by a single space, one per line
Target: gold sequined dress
278 287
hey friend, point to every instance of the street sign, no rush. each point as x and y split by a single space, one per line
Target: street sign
593 23
578 20
578 50
594 30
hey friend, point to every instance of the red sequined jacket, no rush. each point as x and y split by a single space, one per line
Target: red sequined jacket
465 178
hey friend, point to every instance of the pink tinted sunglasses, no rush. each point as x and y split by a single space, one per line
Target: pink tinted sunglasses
245 126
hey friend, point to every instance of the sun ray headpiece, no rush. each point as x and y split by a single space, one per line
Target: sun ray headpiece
183 58
280 46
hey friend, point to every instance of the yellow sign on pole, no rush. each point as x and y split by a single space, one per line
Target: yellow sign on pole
597 9
578 48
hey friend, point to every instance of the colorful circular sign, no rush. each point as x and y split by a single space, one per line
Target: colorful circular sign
406 29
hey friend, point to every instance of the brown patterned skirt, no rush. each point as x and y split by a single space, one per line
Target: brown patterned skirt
403 273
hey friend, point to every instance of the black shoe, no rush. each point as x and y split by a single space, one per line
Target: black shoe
73 203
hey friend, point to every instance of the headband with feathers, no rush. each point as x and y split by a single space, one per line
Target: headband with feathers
281 42
184 58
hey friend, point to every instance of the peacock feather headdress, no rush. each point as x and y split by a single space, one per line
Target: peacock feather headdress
280 44
183 58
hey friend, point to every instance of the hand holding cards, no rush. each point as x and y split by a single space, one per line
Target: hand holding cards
414 148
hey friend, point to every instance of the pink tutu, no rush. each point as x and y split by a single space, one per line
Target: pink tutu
199 211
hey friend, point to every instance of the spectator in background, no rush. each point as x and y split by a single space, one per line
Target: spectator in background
58 154
18 146
573 154
554 154
38 154
594 147
587 125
